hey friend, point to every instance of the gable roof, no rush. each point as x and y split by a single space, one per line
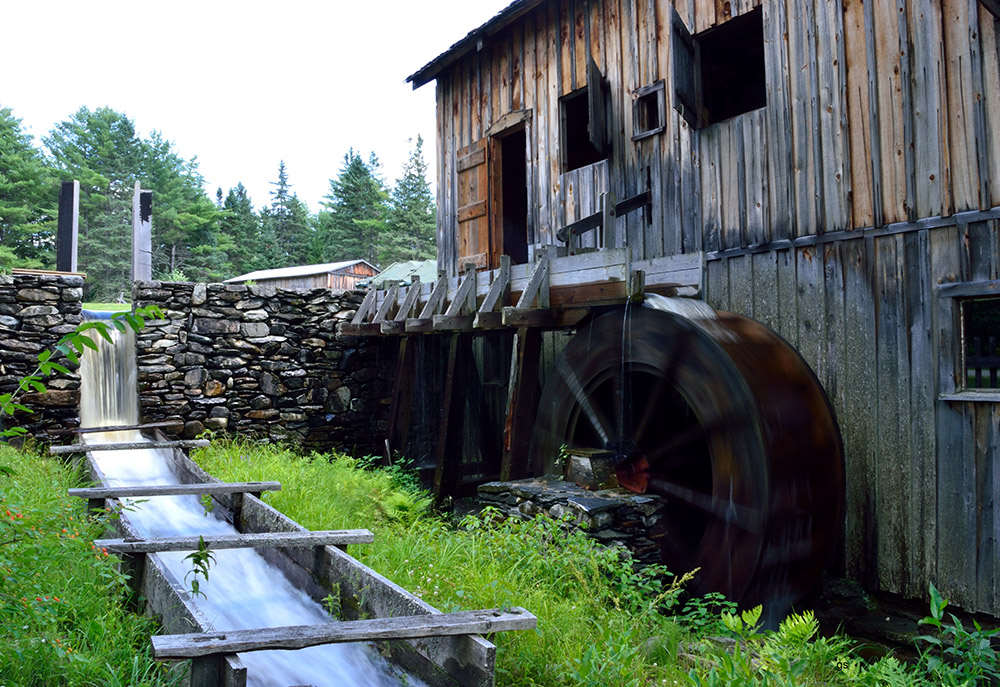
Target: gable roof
473 41
298 271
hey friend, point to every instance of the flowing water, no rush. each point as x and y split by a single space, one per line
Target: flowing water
243 590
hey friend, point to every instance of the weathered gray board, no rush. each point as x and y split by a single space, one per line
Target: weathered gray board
466 660
875 314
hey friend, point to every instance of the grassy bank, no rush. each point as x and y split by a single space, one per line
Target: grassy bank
61 601
600 623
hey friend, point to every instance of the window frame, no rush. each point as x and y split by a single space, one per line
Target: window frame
953 373
655 90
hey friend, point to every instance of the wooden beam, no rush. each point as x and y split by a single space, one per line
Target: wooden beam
410 302
539 276
522 402
545 319
116 428
364 308
443 471
174 489
436 298
499 291
390 300
129 445
249 540
453 323
402 399
376 629
466 287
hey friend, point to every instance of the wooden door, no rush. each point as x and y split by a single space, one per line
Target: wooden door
473 206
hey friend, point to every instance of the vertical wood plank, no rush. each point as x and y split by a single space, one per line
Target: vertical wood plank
926 89
858 115
890 111
959 55
717 284
989 32
804 122
832 85
788 321
836 334
778 115
614 52
516 67
709 149
765 296
741 285
859 421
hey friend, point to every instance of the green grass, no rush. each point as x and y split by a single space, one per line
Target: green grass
61 601
115 307
599 622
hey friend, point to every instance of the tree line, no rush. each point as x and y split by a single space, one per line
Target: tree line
195 237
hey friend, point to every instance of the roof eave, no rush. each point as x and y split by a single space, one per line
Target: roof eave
474 40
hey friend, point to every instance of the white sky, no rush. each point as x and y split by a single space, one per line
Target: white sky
241 85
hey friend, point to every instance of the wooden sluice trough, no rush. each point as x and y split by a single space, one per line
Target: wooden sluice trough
439 648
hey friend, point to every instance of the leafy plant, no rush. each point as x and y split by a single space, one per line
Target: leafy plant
955 655
202 560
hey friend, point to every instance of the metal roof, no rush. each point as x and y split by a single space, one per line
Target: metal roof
473 41
298 271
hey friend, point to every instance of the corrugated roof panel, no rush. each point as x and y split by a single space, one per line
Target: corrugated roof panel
297 271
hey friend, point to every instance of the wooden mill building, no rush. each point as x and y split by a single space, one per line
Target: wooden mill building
829 168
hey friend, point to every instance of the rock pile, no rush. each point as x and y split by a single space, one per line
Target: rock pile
612 516
35 312
260 361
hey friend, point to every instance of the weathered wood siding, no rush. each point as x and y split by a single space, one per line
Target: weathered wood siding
832 215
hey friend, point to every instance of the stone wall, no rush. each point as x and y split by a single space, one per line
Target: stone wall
262 362
612 516
35 312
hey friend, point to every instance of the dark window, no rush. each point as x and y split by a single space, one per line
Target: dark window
981 342
578 150
648 111
719 73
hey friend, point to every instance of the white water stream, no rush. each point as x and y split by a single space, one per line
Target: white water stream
243 590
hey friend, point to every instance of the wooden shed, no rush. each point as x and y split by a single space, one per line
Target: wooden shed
331 275
828 168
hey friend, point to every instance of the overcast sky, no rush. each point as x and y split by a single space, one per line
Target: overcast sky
241 85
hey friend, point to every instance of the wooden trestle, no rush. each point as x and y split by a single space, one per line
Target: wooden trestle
553 292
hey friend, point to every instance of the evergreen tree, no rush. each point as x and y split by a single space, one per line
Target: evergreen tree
28 198
240 225
412 223
287 225
355 219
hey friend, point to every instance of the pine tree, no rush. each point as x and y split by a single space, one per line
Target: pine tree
356 212
412 223
28 198
288 225
241 227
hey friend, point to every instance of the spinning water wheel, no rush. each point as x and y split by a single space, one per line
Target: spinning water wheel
722 418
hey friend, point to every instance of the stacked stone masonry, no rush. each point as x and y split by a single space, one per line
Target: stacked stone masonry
262 362
35 312
611 516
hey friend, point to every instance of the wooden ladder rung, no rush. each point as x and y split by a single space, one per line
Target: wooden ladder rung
301 636
128 446
174 489
242 540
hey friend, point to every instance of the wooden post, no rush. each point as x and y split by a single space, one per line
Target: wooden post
134 565
522 403
142 234
206 671
69 226
402 399
444 472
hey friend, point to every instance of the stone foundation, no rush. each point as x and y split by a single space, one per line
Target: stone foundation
35 312
612 516
260 361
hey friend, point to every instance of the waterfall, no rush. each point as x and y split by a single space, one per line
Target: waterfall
243 591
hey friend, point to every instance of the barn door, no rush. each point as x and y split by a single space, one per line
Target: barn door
473 205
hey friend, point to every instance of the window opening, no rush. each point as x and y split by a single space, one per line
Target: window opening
981 342
648 111
577 146
719 73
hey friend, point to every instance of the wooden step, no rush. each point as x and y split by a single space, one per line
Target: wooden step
241 540
174 489
302 636
129 446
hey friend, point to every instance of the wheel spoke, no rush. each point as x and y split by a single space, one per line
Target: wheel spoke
666 379
745 517
590 410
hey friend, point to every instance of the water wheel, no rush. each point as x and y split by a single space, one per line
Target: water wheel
722 418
